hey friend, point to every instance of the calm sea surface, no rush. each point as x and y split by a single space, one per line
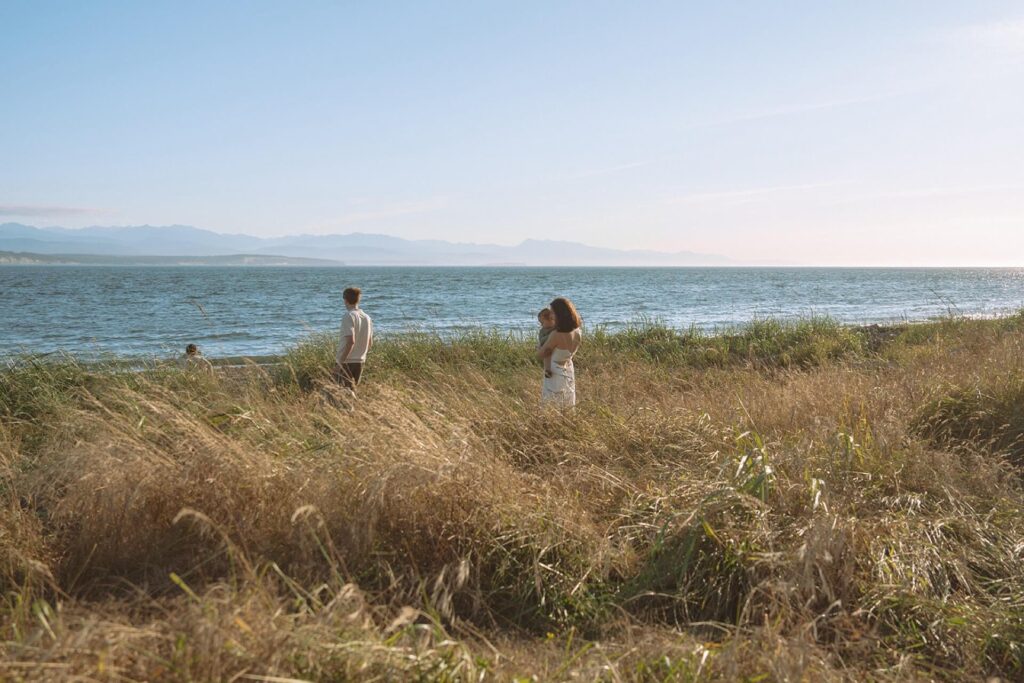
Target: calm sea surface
154 311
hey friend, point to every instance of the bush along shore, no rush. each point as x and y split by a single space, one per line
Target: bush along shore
786 502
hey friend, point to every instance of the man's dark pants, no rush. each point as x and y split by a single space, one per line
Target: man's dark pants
348 374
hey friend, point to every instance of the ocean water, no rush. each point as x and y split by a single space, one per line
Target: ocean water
150 312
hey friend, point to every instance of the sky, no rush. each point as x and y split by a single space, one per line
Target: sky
807 133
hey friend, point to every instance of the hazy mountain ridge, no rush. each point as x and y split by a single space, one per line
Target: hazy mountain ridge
34 259
182 241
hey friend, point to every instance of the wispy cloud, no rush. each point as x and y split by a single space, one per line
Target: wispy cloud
38 211
1001 41
806 107
1004 37
932 192
608 170
790 110
747 195
392 211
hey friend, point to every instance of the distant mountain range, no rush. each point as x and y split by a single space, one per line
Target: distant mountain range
27 258
186 245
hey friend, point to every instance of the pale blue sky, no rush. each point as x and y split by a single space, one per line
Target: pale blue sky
864 132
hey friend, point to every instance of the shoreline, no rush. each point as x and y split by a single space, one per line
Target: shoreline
872 332
505 266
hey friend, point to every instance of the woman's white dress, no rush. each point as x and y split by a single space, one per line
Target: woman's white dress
560 388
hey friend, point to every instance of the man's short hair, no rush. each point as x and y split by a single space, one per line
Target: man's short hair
191 348
352 295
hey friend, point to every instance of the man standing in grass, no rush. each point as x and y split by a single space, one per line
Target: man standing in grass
356 340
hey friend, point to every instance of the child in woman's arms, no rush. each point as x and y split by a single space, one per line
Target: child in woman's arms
546 318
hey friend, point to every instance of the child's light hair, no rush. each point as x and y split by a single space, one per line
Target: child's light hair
545 312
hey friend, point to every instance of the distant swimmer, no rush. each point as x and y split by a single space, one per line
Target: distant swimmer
355 341
194 359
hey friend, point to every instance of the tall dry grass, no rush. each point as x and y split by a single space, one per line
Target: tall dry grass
782 502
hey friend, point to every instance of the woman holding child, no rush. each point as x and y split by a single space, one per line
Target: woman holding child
563 337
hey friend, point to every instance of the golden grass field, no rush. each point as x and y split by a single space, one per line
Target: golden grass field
786 502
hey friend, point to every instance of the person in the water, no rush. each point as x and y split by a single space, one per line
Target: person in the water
194 359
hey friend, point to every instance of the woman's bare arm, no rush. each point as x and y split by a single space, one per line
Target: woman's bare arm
549 346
